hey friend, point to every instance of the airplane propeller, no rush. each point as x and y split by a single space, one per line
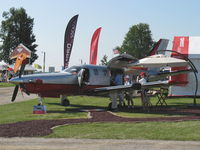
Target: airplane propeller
20 85
21 70
15 93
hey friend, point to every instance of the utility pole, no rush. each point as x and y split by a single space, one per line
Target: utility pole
44 61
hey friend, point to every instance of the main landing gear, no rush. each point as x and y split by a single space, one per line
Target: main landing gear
63 101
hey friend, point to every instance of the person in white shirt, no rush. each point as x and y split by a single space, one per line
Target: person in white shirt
128 94
142 79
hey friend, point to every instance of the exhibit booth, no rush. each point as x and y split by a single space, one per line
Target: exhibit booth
190 47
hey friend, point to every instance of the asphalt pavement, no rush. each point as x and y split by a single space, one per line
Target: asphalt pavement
7 92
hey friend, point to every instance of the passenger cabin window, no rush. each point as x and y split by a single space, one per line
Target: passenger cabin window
96 72
105 72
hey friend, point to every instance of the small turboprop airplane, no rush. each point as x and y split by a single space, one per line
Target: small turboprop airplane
88 79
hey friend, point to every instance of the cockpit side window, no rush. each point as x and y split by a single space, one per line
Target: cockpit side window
73 70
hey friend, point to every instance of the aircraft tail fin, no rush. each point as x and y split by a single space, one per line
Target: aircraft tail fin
160 45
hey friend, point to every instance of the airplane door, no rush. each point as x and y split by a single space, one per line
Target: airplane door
83 77
80 77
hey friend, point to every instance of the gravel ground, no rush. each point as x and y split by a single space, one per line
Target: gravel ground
93 144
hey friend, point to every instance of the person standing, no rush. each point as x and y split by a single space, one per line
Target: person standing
128 94
120 93
144 97
116 79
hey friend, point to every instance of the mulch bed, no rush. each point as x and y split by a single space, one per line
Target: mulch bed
37 128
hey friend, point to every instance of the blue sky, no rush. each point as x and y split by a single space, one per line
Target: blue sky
167 18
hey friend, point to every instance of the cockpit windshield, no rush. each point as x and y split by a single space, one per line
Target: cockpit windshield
73 69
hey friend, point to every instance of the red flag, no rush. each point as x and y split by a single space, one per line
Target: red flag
94 46
69 39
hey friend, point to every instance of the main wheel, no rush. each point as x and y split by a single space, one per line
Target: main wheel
110 106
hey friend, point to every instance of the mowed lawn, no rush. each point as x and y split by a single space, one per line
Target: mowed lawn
22 111
183 131
6 84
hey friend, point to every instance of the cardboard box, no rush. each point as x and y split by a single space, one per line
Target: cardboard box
39 109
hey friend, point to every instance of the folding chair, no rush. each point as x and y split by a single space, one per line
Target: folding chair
162 95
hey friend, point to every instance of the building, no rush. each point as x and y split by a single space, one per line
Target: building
51 69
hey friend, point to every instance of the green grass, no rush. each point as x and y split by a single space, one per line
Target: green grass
187 130
6 84
22 111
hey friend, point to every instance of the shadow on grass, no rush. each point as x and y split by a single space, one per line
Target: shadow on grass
64 111
76 108
170 110
57 104
174 109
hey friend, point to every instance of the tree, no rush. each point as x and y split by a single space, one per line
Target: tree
16 28
138 41
104 60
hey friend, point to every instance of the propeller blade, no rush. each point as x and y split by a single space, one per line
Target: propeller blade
22 70
15 93
24 89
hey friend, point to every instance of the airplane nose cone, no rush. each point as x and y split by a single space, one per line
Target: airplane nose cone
16 80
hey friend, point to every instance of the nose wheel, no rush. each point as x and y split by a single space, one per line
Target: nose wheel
40 99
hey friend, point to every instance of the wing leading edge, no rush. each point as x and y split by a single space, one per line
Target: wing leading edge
134 86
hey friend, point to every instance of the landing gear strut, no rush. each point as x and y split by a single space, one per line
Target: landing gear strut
40 99
64 101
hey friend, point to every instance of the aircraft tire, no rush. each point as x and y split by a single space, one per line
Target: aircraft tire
65 102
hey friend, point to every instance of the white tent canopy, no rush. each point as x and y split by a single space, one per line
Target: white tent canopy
159 61
27 67
3 65
189 46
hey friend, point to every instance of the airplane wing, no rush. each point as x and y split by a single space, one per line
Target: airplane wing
154 84
162 75
134 86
